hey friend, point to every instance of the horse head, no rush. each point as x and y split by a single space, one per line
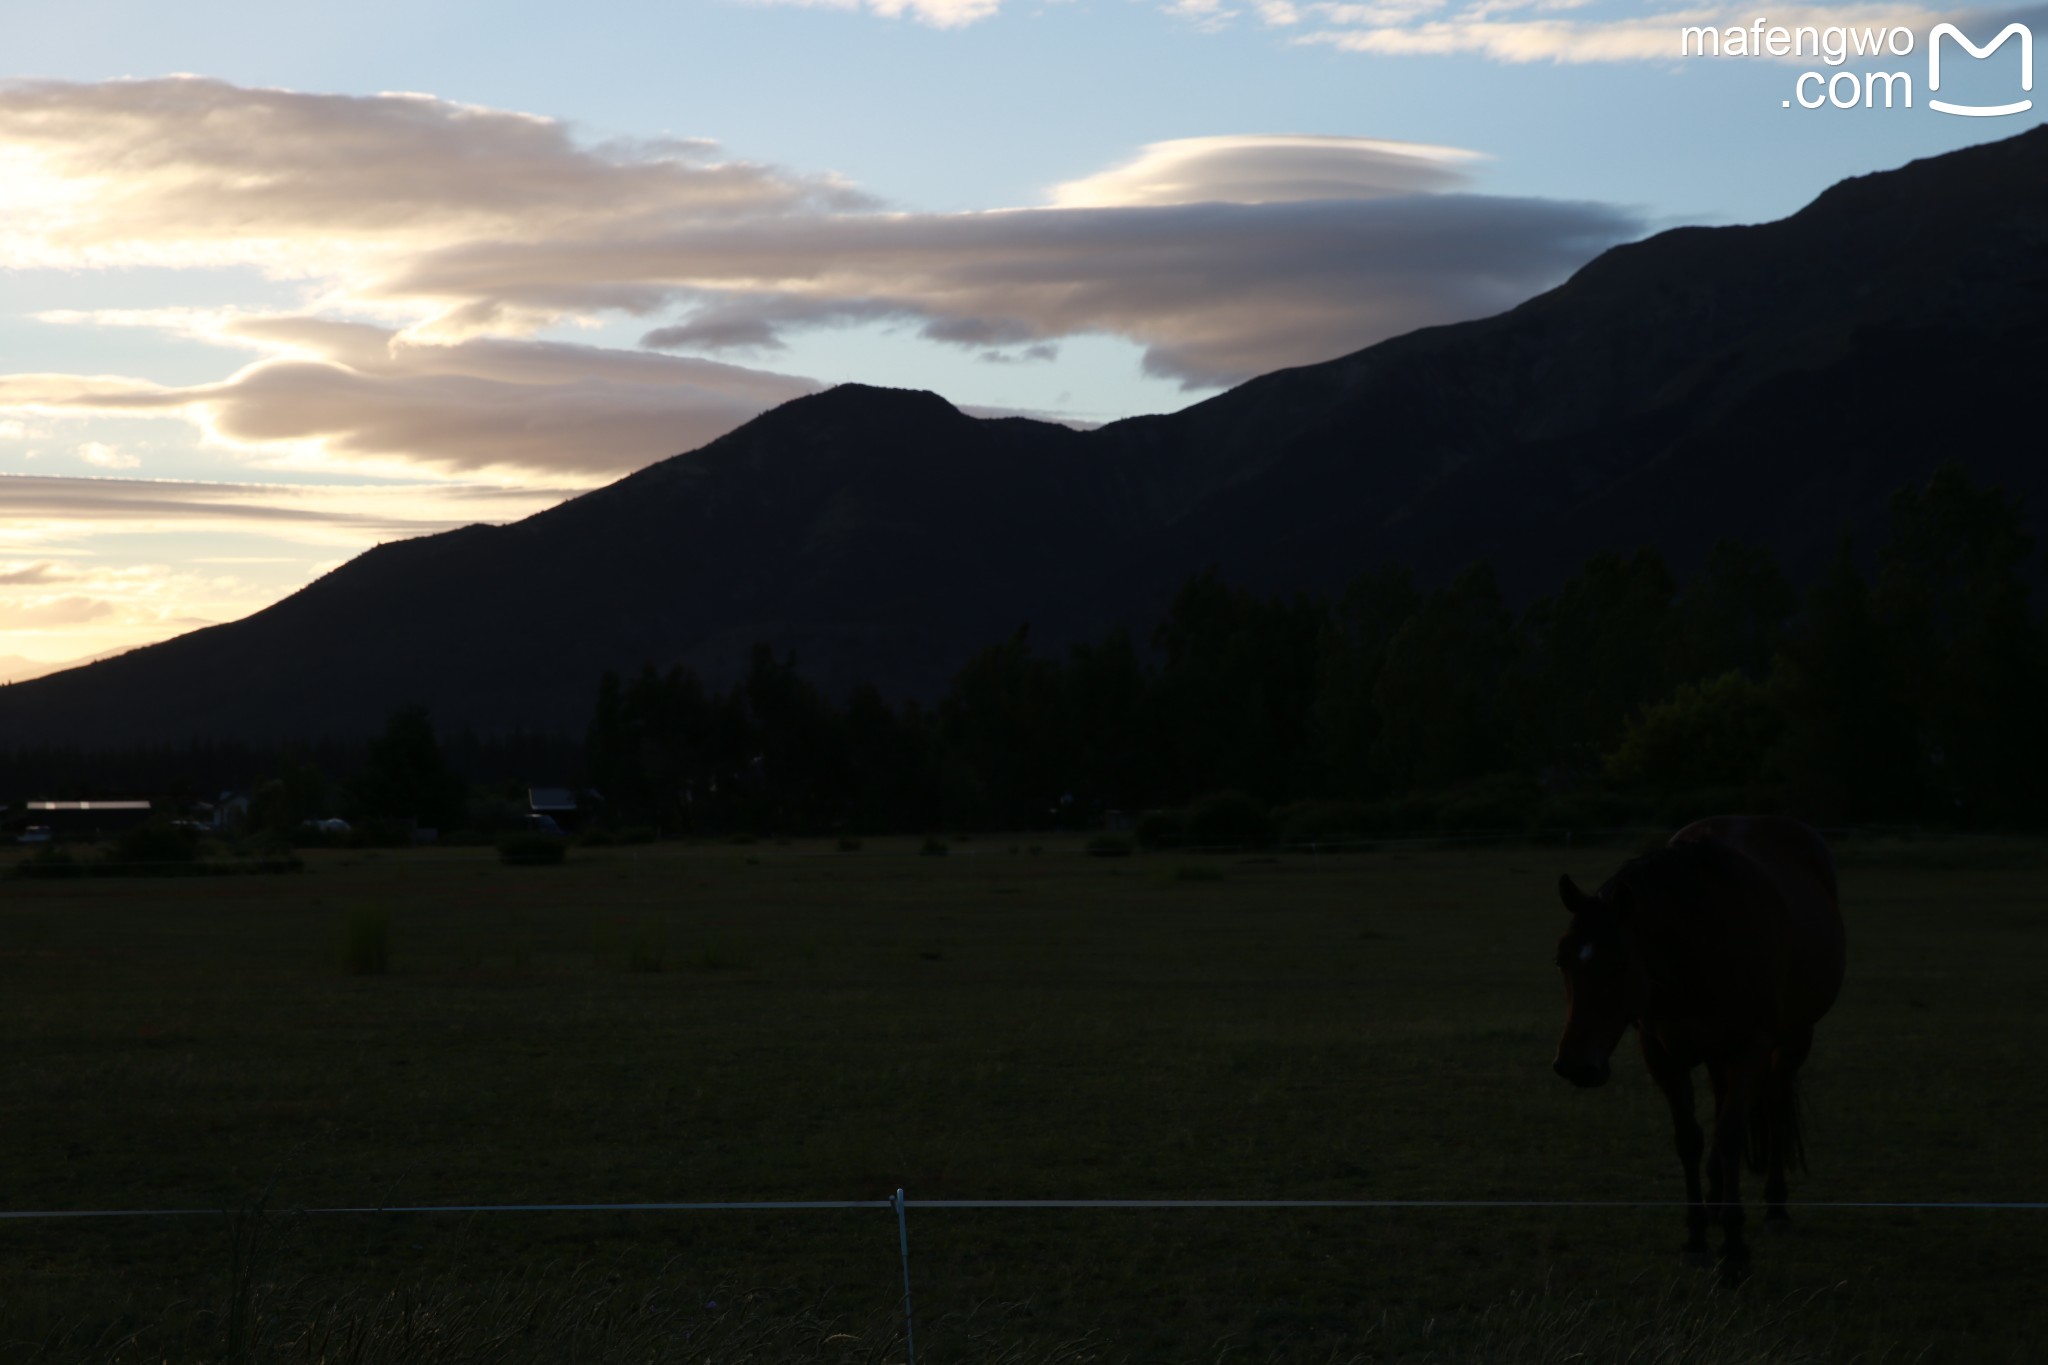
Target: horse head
1606 986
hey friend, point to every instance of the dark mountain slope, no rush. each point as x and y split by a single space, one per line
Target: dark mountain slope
1775 382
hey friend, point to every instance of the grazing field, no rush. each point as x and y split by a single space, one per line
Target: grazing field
793 1021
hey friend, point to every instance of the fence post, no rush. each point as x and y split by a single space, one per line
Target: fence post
903 1240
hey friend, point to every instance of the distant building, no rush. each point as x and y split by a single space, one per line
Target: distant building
229 813
556 805
88 819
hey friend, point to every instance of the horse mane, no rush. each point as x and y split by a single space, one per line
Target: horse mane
1679 884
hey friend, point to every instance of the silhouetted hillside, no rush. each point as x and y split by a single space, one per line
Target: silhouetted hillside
1774 383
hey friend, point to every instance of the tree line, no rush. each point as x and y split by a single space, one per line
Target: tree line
1913 693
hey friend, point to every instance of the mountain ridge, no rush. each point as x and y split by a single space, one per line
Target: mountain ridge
1774 382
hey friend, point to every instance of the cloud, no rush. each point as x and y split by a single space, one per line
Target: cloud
355 395
105 607
463 229
71 583
1268 170
45 613
937 13
1216 292
187 171
1210 15
29 575
106 456
1043 350
40 509
1492 28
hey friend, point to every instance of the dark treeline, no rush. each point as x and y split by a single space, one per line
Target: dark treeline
324 776
1914 694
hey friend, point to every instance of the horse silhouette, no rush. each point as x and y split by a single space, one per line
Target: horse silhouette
1723 948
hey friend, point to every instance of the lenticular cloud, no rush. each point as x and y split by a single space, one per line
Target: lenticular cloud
438 239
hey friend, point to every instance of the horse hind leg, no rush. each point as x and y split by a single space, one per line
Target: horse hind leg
1734 1085
1776 1220
1676 1083
1785 1147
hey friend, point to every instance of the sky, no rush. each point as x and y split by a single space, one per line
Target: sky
281 281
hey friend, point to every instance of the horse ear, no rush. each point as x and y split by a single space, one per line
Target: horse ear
1574 899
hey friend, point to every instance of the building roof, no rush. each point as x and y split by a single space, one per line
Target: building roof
88 805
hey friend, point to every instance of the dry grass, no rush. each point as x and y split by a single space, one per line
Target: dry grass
987 1024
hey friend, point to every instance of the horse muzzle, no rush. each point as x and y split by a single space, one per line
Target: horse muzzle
1582 1072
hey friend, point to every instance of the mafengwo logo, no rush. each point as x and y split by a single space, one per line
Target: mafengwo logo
1835 45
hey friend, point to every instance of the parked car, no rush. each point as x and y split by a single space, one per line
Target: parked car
36 834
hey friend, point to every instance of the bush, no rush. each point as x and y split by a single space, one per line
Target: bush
849 844
381 834
50 861
157 843
1110 846
1162 829
1578 813
532 850
933 848
1718 733
1498 803
1323 822
1229 819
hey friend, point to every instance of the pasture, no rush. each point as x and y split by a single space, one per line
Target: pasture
1012 1020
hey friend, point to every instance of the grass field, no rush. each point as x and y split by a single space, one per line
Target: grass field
790 1021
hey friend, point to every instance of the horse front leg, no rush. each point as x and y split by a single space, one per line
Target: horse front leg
1675 1080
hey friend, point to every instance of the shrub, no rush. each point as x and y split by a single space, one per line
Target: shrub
1229 819
50 861
933 848
1323 822
1197 872
1162 828
366 941
157 843
1110 846
1496 803
1718 733
381 834
532 850
1574 812
849 844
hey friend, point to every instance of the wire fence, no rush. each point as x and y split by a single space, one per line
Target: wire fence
901 1206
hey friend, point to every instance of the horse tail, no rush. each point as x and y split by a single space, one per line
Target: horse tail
1775 1123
